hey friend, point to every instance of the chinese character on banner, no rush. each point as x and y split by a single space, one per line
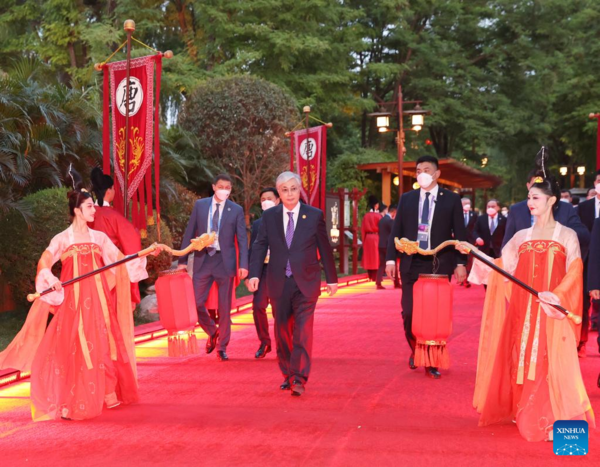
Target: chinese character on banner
308 151
143 100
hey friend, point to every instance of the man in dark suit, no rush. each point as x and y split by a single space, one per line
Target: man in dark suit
268 198
295 234
588 211
217 263
385 228
520 218
470 218
593 278
489 230
429 215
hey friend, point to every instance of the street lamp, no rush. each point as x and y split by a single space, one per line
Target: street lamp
581 170
383 125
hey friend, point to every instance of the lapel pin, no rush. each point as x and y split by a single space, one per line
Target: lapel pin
303 216
229 209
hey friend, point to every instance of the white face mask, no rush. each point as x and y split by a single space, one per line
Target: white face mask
223 194
491 212
266 204
466 207
505 213
597 186
424 180
564 200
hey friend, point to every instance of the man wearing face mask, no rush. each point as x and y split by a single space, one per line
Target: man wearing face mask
217 263
505 212
429 215
269 197
489 230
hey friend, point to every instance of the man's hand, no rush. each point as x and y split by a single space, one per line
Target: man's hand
390 270
479 242
332 289
253 284
242 273
460 273
181 266
595 294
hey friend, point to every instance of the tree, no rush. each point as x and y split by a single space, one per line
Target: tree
240 124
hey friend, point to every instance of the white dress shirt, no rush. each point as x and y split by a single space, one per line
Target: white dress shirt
433 193
597 200
211 213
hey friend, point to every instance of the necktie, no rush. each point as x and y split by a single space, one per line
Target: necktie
466 219
215 227
493 226
425 219
289 236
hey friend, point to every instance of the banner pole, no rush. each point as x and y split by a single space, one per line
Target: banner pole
129 27
306 110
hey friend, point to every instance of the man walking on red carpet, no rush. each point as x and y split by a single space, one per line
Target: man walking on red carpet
295 234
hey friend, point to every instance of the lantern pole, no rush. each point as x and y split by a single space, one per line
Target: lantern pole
129 27
400 143
306 111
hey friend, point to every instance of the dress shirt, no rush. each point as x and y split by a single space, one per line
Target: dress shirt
433 193
286 217
597 200
211 212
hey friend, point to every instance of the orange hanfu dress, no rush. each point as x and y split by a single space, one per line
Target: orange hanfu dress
85 358
528 369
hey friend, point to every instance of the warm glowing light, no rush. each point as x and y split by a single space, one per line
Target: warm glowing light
396 181
335 235
417 120
417 128
581 170
416 186
563 171
383 121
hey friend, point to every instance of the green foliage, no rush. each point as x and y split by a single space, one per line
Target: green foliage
22 246
240 124
177 212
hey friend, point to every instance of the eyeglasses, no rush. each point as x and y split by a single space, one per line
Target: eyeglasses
293 190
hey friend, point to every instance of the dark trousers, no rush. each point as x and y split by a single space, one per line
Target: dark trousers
294 318
260 302
212 270
381 270
419 265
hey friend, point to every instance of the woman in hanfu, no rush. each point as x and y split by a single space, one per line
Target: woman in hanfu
85 359
528 370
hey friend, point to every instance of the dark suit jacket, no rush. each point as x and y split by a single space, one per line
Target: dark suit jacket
254 235
519 218
310 236
385 228
492 243
447 223
587 213
233 225
470 226
594 257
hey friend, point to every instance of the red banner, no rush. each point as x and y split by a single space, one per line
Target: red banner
309 152
140 138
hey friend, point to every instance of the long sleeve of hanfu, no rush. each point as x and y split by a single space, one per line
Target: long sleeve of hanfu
136 268
510 256
44 278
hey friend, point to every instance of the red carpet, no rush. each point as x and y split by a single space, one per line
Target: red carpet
362 407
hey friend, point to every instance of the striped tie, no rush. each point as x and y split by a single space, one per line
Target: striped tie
289 236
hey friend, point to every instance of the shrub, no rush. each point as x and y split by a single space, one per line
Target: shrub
22 246
163 260
176 213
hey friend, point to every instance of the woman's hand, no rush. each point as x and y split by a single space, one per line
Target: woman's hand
465 247
57 286
546 299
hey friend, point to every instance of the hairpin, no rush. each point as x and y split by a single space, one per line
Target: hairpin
538 180
71 175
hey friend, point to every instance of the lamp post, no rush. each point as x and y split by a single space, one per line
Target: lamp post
383 125
597 117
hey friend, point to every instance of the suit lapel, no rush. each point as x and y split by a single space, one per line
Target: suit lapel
299 224
439 207
226 212
279 222
203 213
487 224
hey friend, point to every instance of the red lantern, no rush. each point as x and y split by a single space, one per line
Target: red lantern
432 320
177 310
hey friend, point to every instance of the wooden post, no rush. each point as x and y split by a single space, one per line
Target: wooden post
129 27
342 228
386 187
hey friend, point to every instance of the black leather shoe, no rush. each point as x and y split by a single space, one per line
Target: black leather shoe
285 385
262 351
211 342
297 388
222 356
380 287
411 362
433 372
599 381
